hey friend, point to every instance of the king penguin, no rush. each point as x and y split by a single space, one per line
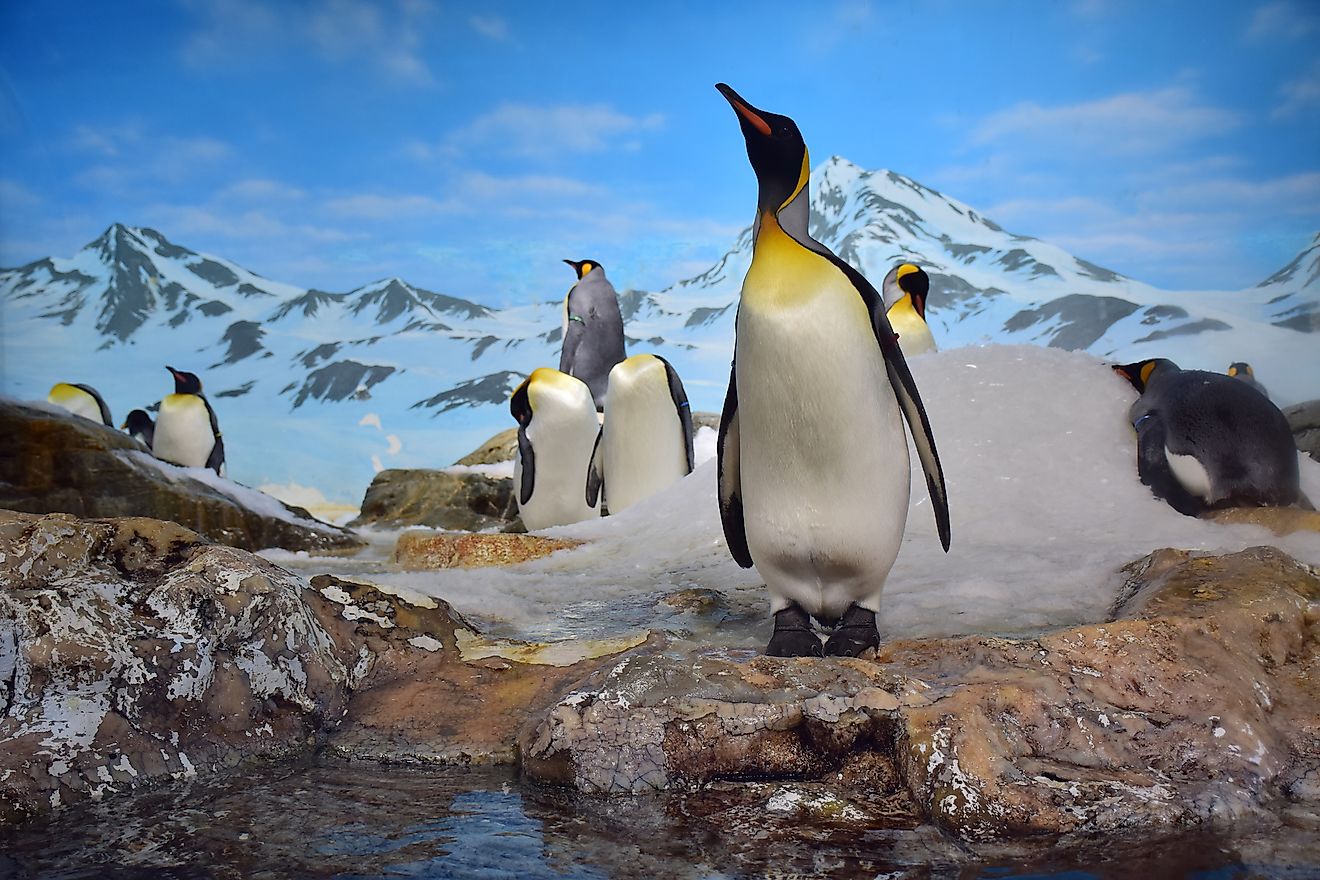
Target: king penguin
187 431
905 289
645 443
1242 370
1206 440
593 329
557 428
140 427
813 463
81 400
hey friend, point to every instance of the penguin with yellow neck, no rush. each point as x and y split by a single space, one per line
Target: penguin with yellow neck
905 289
814 474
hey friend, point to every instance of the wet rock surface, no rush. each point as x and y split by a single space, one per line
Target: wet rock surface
433 550
1198 703
1304 419
421 497
60 463
134 650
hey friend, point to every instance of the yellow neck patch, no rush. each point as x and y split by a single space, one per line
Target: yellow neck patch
804 175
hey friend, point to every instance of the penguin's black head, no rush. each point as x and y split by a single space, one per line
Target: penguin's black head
519 404
776 150
1139 373
1241 368
136 421
916 284
582 267
185 383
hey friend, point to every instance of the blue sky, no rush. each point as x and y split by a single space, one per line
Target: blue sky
468 148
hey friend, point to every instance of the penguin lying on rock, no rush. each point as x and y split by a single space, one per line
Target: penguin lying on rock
813 462
187 431
1206 440
81 400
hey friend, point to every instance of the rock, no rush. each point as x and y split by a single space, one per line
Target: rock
1279 520
59 463
1304 419
133 650
499 448
431 550
420 497
432 689
1198 703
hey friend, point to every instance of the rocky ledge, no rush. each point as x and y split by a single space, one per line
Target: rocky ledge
54 462
1199 702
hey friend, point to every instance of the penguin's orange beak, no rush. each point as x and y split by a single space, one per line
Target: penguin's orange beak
744 109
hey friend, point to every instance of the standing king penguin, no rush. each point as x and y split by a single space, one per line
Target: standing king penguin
557 428
81 400
593 329
645 443
187 431
813 464
905 289
1206 440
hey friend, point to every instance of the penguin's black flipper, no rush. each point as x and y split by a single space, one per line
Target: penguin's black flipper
100 403
1154 471
216 460
909 399
528 466
596 471
730 483
682 407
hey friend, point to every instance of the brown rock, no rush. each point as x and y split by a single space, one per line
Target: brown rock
499 448
432 550
1199 702
420 497
60 463
133 649
1279 520
1304 419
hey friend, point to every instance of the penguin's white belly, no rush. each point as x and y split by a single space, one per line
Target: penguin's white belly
645 450
76 401
1189 471
824 465
561 446
183 431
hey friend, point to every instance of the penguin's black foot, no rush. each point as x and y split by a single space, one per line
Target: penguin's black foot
856 632
793 636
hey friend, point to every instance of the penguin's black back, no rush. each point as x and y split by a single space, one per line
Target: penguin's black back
1239 436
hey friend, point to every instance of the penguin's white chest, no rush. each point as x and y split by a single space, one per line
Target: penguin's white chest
644 446
76 401
824 465
183 431
562 436
914 335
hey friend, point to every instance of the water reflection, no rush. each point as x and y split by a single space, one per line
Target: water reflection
327 819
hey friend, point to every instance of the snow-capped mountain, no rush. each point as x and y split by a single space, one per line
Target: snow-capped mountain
320 388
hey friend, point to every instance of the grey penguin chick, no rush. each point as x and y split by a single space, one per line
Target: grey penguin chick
1207 440
593 329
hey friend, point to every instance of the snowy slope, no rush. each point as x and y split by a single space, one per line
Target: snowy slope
321 388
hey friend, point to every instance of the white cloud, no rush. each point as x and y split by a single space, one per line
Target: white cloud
545 132
369 206
384 36
16 196
1301 95
184 220
261 190
1283 20
1137 122
492 26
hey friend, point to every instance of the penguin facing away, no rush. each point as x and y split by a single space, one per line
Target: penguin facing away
905 289
593 329
1242 370
557 429
813 464
140 427
1207 440
187 432
81 400
645 443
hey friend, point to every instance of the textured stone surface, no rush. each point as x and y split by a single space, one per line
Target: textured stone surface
133 650
60 463
1199 702
1304 419
432 550
1279 520
499 448
420 497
